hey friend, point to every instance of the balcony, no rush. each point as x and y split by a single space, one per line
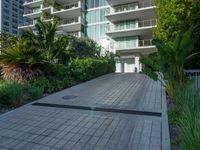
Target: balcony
74 33
72 10
144 46
135 10
138 28
120 2
27 25
47 8
33 3
72 24
34 13
47 18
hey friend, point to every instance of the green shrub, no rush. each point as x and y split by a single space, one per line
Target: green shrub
57 78
41 82
83 48
11 94
190 130
57 71
88 68
188 102
47 85
174 116
32 92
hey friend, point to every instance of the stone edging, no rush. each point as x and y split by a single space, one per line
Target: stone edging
165 124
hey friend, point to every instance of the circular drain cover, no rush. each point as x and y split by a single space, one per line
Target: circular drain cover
68 97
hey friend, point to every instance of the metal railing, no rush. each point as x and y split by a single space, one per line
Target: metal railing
29 23
46 5
129 7
141 43
146 23
146 42
74 34
70 21
71 6
193 75
32 11
47 17
29 1
124 26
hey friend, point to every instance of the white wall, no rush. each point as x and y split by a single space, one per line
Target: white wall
128 67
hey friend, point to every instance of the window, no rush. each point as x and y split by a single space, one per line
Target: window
5 29
95 16
6 23
14 9
95 3
6 17
14 31
125 60
126 42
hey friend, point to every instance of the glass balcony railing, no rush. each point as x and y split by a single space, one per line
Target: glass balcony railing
146 23
128 26
74 34
26 24
70 21
46 5
134 44
129 7
147 42
67 7
46 18
32 11
30 1
29 23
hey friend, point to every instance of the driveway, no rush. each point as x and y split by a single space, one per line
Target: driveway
112 112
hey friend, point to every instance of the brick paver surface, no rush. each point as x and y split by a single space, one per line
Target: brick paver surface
124 91
44 128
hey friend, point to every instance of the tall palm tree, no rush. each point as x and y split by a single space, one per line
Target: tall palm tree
171 58
21 62
45 38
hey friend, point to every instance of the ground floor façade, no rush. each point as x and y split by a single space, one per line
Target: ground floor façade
125 64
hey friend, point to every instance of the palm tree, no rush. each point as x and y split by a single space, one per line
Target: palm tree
46 39
171 58
7 40
21 62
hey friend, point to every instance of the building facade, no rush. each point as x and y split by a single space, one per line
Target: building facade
120 26
11 15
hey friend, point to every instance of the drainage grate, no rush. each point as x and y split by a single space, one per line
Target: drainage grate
69 97
136 112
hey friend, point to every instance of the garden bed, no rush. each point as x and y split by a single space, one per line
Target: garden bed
183 112
174 130
57 77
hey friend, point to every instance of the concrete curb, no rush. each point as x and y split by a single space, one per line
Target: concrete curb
165 124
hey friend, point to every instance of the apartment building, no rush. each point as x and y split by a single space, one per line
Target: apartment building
120 26
11 15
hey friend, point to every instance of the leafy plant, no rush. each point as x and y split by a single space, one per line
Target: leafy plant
32 92
7 40
47 41
171 57
178 16
188 104
21 62
88 68
10 94
57 77
83 48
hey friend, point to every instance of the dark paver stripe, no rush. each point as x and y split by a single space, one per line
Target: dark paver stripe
125 111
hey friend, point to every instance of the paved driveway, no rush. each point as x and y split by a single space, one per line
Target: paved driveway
115 111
